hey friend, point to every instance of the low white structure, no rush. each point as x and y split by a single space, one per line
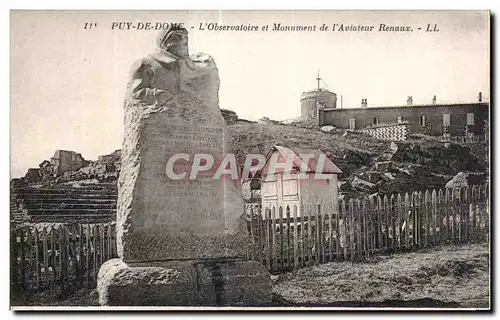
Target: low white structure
311 182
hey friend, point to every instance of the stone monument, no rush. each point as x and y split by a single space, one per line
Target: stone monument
181 241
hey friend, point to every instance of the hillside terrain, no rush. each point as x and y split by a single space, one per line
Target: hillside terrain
369 165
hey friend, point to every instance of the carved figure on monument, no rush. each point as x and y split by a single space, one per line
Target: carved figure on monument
170 76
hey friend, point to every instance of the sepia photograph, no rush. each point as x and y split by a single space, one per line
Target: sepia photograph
250 160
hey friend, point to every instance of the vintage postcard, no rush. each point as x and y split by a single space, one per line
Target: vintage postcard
183 160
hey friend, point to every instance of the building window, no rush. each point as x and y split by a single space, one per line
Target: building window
470 119
446 120
399 119
352 123
290 187
422 120
269 188
375 120
312 114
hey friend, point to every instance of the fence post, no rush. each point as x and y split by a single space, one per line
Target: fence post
323 234
414 219
378 214
88 256
268 236
406 224
337 231
351 229
399 220
37 261
302 236
418 218
385 224
53 258
487 212
281 256
274 221
364 213
453 214
94 255
474 213
65 253
466 214
344 228
31 258
80 251
45 258
15 287
309 236
316 238
422 222
74 241
289 249
102 251
372 225
460 213
434 217
359 235
62 260
22 262
428 221
331 215
295 240
444 208
60 241
260 230
252 235
393 211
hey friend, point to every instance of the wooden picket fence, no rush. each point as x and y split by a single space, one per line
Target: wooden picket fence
67 257
283 239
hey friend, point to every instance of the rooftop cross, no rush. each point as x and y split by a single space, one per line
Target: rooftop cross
318 79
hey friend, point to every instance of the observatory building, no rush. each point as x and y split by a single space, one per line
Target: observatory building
313 103
319 107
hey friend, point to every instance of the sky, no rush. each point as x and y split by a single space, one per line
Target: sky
67 83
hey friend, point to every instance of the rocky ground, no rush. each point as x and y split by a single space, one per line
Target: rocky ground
450 277
370 166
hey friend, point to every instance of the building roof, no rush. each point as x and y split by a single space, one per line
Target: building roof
312 163
414 106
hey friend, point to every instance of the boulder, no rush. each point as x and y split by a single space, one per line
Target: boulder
362 185
464 179
328 129
394 147
389 176
344 186
383 166
33 175
385 157
374 176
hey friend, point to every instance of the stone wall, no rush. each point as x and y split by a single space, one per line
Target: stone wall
65 161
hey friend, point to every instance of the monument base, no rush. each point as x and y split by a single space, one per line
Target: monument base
184 283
